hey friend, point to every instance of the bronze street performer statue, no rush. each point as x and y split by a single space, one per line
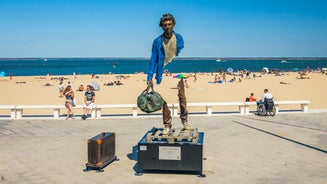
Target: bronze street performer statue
164 49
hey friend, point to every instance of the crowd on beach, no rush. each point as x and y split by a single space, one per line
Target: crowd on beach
231 77
219 77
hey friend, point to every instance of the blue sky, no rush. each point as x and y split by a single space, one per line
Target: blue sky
126 28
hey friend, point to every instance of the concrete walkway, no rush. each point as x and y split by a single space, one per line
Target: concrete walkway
288 148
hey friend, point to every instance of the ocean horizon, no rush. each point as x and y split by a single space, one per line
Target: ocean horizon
68 66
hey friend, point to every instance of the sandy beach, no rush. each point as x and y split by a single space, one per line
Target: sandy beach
37 90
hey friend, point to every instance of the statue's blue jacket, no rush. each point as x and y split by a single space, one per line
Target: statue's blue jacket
156 64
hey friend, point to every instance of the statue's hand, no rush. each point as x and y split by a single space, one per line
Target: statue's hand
149 82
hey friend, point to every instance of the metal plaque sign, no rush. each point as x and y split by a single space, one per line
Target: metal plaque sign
169 153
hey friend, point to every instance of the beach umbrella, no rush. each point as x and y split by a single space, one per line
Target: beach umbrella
230 70
2 74
181 76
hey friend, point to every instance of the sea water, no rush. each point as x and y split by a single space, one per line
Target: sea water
68 66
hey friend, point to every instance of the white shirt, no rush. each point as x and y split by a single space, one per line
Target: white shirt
267 96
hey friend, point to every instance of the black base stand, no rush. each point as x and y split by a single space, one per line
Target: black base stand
141 172
180 152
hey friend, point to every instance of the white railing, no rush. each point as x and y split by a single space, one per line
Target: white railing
17 111
304 105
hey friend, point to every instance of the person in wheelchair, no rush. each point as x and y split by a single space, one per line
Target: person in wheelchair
267 101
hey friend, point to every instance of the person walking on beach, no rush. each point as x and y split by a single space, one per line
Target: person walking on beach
89 98
195 77
69 94
164 49
61 88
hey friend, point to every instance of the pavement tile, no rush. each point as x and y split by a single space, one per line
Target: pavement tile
287 148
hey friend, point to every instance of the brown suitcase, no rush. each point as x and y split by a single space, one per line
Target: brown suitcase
101 151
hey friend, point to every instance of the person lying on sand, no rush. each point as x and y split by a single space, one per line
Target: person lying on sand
48 84
281 82
21 82
115 83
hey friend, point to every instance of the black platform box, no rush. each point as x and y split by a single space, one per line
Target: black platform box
165 154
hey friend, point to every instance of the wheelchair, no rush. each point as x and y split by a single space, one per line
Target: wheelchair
267 108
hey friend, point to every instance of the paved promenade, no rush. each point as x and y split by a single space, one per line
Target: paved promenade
287 148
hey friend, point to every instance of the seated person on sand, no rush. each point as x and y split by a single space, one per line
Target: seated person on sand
302 74
278 74
119 83
216 78
80 88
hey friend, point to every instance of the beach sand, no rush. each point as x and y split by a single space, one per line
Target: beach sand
33 89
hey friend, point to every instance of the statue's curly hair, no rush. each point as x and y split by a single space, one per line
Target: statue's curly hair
166 17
